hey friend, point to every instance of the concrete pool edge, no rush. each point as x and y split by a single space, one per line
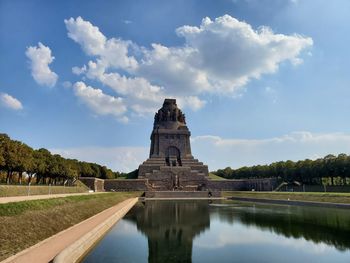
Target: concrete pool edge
80 247
180 198
290 202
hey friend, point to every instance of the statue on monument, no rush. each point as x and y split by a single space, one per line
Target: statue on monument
169 115
181 117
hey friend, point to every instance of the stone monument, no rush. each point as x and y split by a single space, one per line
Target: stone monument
170 165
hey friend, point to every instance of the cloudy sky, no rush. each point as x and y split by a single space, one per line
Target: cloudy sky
259 80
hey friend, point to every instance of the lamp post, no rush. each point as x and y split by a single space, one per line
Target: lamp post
64 186
29 189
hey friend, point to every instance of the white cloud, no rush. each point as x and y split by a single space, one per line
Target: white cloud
219 153
170 67
99 102
218 57
79 71
137 91
112 52
88 36
10 102
191 102
67 84
123 159
40 58
230 52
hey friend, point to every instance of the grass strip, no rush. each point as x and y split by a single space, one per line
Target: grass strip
215 177
295 196
26 223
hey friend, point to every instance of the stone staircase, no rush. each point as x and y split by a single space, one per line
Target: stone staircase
154 164
191 175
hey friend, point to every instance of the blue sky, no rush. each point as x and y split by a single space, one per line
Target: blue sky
259 81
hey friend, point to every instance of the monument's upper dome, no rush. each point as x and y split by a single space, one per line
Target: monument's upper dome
169 116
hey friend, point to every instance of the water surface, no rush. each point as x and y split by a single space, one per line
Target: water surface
226 231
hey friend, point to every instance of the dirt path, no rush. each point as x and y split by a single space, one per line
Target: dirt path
47 249
4 200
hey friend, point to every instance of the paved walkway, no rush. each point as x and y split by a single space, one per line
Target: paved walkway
4 200
47 249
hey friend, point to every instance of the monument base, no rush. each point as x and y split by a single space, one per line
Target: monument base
190 176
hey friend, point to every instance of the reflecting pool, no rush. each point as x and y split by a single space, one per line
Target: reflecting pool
226 231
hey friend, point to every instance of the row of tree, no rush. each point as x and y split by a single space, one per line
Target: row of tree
20 163
332 170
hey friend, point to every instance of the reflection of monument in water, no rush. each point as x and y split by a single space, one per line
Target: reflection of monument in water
171 165
170 227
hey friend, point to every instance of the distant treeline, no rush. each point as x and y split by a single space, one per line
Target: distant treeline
330 170
19 163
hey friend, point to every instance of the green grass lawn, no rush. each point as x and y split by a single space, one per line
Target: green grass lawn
215 177
22 190
26 223
299 196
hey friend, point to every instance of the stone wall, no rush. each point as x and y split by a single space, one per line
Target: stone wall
95 184
126 185
183 194
226 185
100 185
242 185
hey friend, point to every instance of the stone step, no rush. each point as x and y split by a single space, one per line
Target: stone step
189 160
191 163
154 163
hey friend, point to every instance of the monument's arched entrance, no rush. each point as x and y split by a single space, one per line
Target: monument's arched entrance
173 156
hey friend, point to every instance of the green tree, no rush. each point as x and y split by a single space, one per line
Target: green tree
341 167
12 159
3 140
86 170
42 161
26 160
106 173
329 166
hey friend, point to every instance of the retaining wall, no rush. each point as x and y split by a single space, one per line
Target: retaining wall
117 185
182 194
125 185
243 185
95 184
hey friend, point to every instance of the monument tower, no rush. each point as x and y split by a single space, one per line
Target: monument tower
170 165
